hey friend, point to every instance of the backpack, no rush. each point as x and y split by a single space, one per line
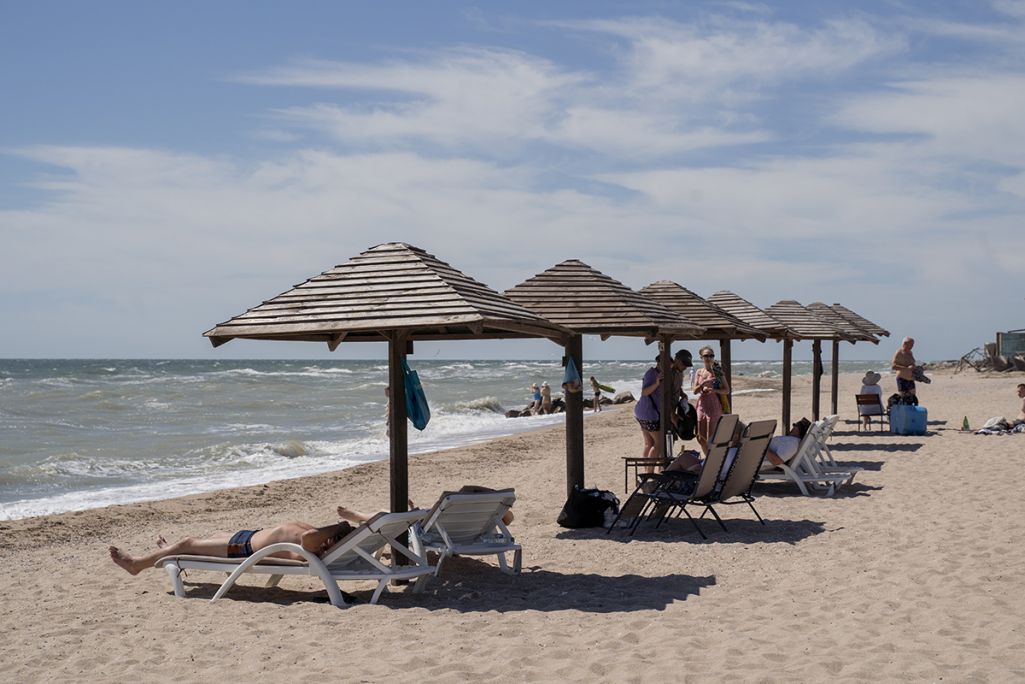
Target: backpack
686 421
588 508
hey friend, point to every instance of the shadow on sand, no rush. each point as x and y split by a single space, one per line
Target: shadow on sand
889 448
471 585
741 531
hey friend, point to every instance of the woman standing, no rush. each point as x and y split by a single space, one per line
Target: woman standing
708 389
647 411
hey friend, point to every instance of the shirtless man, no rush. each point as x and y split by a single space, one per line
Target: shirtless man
904 366
241 544
1021 395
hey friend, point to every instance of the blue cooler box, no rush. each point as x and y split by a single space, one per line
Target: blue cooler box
908 420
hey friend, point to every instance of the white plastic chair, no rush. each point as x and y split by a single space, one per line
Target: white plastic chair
469 524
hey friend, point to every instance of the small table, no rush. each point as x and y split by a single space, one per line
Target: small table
636 462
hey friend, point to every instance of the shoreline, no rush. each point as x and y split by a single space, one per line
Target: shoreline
747 386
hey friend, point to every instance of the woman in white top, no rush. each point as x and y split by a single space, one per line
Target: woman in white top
870 385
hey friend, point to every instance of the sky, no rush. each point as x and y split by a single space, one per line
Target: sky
166 166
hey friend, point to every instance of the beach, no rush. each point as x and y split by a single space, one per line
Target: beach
908 574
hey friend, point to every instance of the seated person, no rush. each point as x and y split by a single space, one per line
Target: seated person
241 544
687 462
783 447
870 385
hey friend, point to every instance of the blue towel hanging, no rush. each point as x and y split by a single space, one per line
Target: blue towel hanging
417 410
571 381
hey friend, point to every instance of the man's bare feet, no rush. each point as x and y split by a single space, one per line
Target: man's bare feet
124 560
349 514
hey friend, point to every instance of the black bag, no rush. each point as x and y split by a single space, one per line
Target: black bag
586 508
686 421
899 400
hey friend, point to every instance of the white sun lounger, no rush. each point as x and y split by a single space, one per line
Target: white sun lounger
804 469
469 524
355 557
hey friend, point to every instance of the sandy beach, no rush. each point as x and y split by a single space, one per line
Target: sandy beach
911 573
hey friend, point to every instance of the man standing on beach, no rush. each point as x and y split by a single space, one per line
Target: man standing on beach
904 366
1021 413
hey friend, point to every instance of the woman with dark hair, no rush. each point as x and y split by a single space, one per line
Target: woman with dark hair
648 412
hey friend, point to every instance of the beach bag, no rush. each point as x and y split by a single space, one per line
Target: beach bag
588 508
417 410
686 421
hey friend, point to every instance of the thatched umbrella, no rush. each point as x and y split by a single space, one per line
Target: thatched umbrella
719 324
588 302
757 318
393 293
854 334
809 327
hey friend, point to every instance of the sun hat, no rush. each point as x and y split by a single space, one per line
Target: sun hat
871 378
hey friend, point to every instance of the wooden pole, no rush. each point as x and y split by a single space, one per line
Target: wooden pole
665 365
726 358
397 434
788 350
834 389
816 377
575 419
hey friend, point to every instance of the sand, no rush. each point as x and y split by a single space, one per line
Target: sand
912 573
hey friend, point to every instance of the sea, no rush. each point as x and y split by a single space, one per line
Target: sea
78 434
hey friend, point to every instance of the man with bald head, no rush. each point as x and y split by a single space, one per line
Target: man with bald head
904 366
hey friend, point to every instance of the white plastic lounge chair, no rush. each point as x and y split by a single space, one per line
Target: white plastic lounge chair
355 557
469 524
804 469
827 463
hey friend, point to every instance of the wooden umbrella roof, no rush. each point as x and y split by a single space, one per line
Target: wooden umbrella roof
749 313
585 300
805 322
390 287
829 315
863 323
718 323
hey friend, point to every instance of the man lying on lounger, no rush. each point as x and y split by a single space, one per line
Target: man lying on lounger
245 543
241 544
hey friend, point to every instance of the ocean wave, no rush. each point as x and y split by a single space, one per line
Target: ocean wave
490 404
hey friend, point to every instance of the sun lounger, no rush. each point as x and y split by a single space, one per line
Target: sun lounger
661 493
805 470
736 487
355 557
469 524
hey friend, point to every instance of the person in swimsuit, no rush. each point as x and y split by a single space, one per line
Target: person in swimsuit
241 544
904 366
596 388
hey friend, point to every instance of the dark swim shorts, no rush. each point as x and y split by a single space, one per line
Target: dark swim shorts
650 425
905 386
240 545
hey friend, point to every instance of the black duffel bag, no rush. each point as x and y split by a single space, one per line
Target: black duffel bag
586 508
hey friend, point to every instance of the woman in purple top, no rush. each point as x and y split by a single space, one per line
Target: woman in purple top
647 411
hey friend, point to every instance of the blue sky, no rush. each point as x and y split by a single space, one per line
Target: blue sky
164 167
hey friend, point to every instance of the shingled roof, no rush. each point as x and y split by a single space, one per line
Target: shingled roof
853 332
718 323
859 321
747 312
390 287
804 322
585 300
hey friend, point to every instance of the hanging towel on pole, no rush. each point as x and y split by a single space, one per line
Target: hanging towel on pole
416 402
571 381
